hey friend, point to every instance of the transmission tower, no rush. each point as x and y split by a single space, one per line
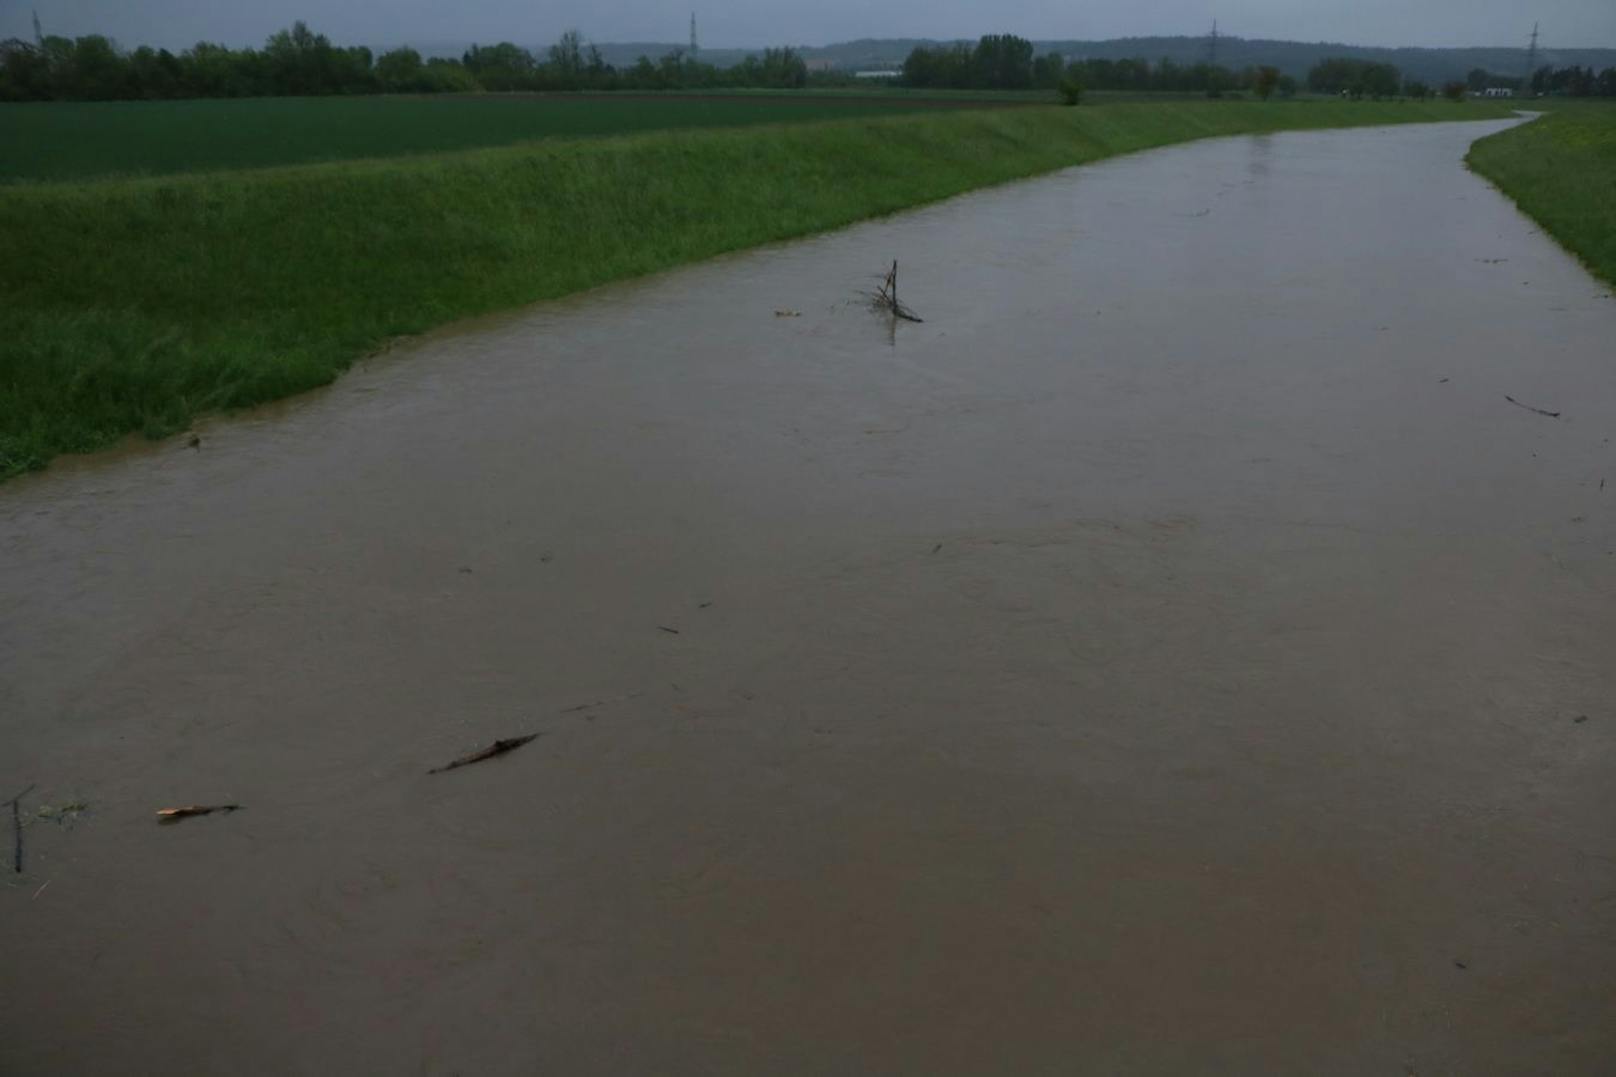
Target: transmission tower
1531 62
1212 45
693 46
39 35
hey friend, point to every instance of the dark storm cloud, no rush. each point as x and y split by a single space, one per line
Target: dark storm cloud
760 22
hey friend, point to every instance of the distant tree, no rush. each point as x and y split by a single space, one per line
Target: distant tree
1419 91
401 70
643 74
1453 91
1287 86
567 57
501 67
447 76
1048 70
943 66
1266 82
24 71
1071 85
155 73
1003 62
99 71
1355 78
783 68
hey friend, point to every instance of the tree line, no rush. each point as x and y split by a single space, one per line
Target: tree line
1007 62
1573 81
299 62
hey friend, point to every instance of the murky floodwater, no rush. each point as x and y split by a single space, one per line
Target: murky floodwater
1168 657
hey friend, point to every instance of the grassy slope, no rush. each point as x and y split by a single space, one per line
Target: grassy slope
83 140
1562 171
138 304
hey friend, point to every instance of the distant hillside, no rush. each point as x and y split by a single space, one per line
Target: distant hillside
1292 57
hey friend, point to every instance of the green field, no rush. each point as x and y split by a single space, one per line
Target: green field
138 304
76 140
1561 170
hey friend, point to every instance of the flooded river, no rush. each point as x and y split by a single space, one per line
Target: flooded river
1174 655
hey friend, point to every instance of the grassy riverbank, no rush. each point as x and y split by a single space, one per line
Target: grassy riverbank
1562 171
136 305
81 140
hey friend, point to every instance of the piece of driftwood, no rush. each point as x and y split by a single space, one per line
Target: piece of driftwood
885 297
1528 407
499 747
16 829
174 815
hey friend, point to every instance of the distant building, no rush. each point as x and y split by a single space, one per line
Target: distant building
1498 91
892 74
820 63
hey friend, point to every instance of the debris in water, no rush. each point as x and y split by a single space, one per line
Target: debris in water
1528 407
1579 719
1460 964
703 605
174 815
885 297
194 441
16 827
671 631
66 814
599 703
499 747
937 548
788 313
1442 381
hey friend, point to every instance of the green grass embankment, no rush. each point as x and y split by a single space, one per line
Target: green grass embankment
136 305
79 140
1561 169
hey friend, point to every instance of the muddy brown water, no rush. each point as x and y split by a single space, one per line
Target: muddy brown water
1166 658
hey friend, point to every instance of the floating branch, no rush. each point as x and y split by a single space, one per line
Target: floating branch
499 747
886 297
1528 407
174 815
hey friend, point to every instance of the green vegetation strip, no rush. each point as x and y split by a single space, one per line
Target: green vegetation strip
1561 170
136 305
83 140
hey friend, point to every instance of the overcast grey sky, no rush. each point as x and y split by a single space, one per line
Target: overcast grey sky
725 23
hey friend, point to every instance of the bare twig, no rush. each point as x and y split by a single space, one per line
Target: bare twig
1528 407
499 747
